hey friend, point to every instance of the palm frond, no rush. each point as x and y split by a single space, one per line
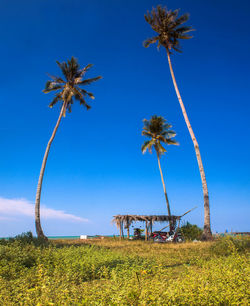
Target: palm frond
72 67
89 81
84 70
146 133
51 86
172 142
183 30
150 41
146 124
63 67
82 102
177 49
147 145
161 149
166 125
79 96
86 93
69 108
55 100
91 95
56 79
182 19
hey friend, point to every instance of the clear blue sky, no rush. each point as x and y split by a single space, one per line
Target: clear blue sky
95 168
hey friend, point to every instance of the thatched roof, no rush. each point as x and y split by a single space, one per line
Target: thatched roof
128 219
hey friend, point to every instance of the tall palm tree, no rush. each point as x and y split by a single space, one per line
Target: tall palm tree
158 130
67 91
170 29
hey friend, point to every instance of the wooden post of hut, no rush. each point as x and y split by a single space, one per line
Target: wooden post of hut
120 228
151 227
127 224
146 230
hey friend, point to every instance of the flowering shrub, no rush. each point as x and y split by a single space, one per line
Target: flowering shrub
228 244
122 273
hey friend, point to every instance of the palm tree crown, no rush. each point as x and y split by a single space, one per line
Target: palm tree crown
169 28
69 88
159 131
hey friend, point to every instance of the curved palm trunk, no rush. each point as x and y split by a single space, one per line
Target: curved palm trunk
39 230
164 188
207 225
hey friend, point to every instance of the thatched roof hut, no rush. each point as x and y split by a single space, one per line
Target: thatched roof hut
151 218
126 220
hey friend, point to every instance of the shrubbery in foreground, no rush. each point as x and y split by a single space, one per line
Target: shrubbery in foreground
109 274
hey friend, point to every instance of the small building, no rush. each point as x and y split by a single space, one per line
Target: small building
125 221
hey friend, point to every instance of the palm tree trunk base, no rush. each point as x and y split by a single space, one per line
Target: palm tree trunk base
39 231
43 237
207 234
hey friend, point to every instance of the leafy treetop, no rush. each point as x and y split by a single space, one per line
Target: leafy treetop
169 28
69 88
159 131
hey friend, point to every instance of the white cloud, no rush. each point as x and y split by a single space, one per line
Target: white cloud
22 207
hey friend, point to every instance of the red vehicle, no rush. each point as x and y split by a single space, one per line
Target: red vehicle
137 233
159 236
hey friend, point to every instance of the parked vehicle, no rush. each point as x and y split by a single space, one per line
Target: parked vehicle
137 233
159 236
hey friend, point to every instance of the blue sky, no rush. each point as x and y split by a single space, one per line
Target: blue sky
95 168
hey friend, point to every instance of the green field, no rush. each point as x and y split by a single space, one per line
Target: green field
113 272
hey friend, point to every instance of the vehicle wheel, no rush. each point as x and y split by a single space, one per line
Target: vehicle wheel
158 239
180 239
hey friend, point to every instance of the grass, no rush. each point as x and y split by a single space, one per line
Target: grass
113 272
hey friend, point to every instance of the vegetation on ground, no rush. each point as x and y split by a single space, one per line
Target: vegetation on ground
191 232
113 272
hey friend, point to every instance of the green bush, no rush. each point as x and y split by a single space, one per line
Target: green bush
228 245
191 231
25 238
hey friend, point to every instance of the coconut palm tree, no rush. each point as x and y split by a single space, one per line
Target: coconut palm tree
66 91
170 29
158 130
